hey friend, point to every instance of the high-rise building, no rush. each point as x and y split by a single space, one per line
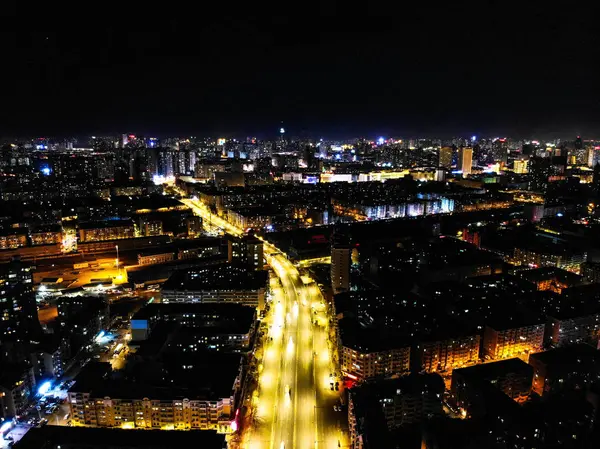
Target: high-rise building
445 157
499 151
465 160
340 265
18 310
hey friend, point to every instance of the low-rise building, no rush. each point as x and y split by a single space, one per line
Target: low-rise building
154 257
12 238
50 235
106 230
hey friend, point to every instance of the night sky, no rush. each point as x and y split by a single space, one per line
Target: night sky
408 72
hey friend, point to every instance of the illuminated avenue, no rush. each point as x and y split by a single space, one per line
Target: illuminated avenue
293 406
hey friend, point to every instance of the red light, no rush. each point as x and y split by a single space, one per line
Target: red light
351 376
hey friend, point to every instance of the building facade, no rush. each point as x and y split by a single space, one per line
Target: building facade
445 355
149 413
519 342
359 365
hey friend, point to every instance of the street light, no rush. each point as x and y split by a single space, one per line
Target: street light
117 247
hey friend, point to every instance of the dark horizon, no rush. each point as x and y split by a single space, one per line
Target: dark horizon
447 71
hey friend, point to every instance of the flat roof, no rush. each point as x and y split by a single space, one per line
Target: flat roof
55 436
211 311
211 377
219 277
104 224
547 273
568 356
493 370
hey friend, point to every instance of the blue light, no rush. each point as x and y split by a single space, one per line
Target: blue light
46 171
380 140
473 138
559 214
44 388
5 427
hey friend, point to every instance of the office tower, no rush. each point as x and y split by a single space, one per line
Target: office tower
465 160
18 310
445 158
340 265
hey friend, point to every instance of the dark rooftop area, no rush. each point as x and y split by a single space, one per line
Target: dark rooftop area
78 437
493 370
219 277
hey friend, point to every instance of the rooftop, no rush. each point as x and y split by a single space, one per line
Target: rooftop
81 437
211 314
220 277
105 224
549 273
494 370
568 357
144 380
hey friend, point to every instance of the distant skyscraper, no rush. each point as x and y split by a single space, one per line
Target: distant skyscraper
340 265
500 151
445 158
578 154
465 160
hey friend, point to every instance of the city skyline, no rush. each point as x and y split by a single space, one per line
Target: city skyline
299 227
